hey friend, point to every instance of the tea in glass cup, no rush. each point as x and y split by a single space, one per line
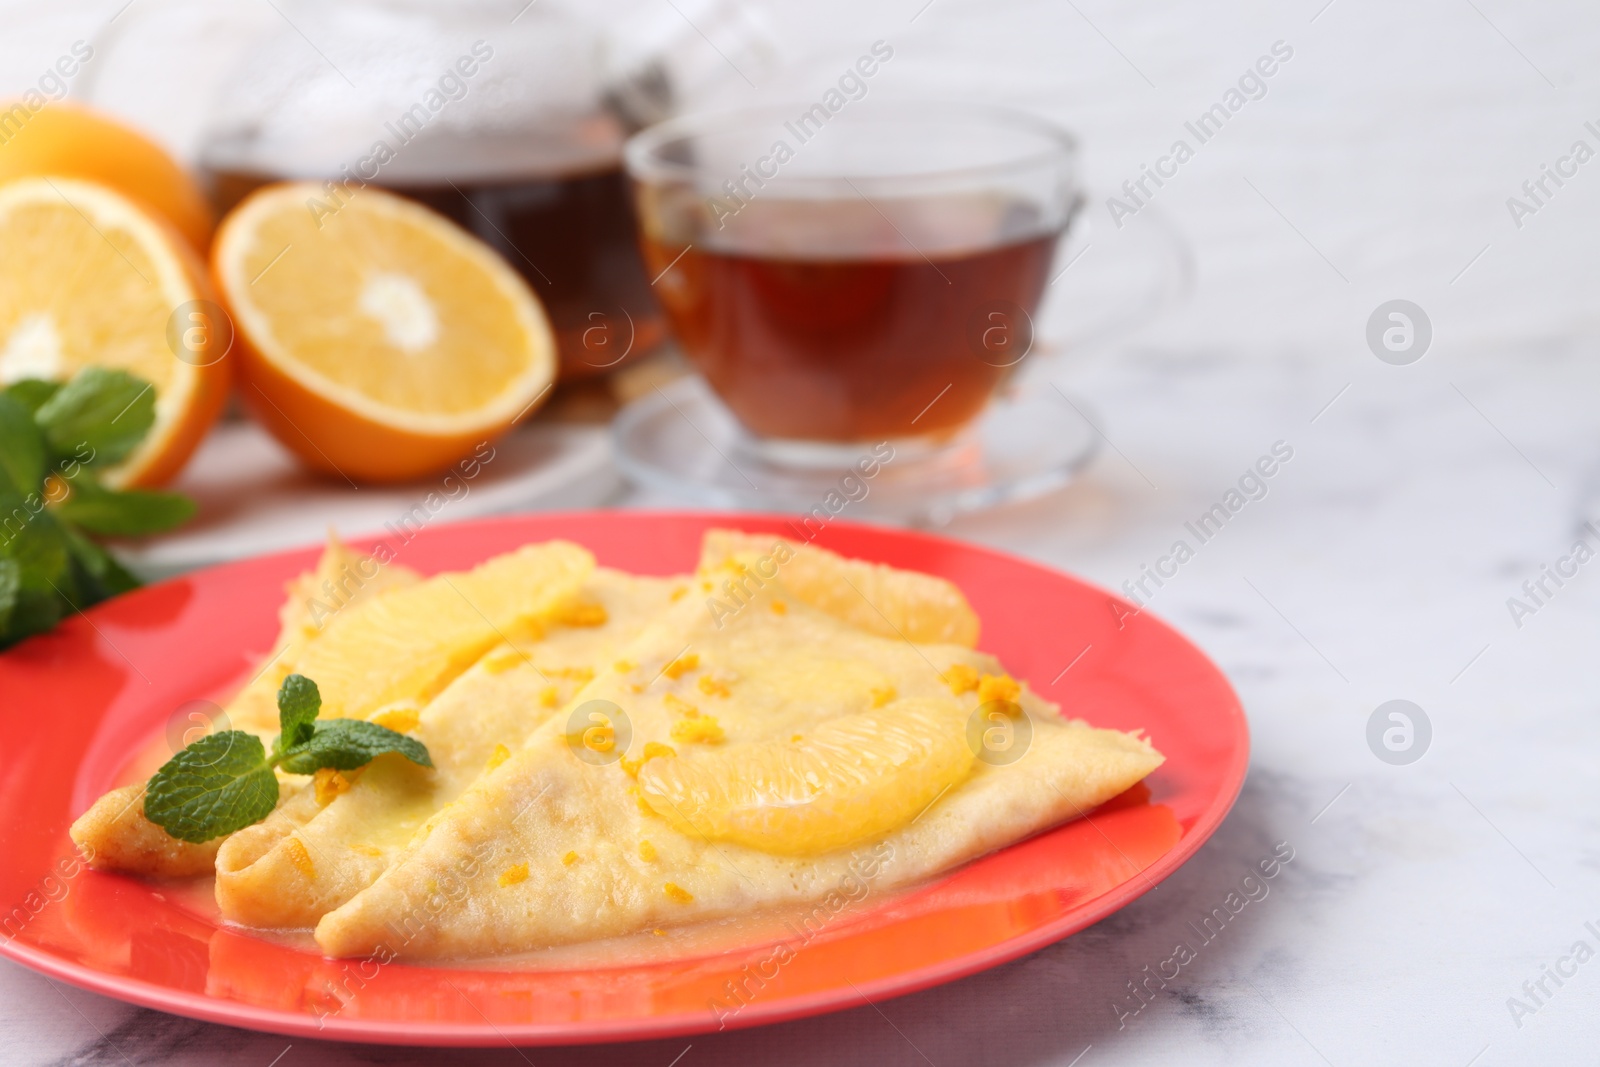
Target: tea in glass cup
862 275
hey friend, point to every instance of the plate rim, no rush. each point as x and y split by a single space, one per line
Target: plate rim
142 993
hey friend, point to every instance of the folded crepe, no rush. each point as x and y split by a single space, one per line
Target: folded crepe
762 742
114 835
306 860
379 641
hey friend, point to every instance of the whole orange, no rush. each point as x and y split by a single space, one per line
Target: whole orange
71 141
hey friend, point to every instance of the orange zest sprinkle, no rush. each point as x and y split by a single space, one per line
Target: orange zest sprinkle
647 852
569 859
652 750
500 754
882 694
300 858
779 607
677 894
961 678
581 614
711 687
624 666
681 666
550 696
998 687
513 875
329 783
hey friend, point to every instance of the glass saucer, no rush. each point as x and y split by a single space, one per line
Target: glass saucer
680 439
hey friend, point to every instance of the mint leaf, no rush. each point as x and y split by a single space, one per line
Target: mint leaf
102 576
96 418
225 782
123 513
217 785
299 702
34 613
31 393
10 590
109 411
30 535
345 744
33 550
22 459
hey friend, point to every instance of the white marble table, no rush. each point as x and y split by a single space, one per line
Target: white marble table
1421 898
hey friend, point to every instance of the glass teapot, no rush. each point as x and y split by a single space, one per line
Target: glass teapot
508 116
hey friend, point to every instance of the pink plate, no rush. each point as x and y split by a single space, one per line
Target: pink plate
83 700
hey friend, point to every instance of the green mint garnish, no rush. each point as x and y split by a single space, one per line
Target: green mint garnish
125 513
224 781
10 589
299 703
345 744
217 785
55 438
104 412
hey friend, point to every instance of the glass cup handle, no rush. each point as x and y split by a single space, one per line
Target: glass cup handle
1109 281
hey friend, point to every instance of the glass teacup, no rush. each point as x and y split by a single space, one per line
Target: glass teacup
853 275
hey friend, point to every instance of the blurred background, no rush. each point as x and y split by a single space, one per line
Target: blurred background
1375 165
1392 139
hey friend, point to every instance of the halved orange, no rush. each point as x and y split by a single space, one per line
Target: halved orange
379 341
87 277
67 140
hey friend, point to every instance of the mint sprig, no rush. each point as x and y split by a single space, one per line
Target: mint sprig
217 785
106 412
55 439
225 782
